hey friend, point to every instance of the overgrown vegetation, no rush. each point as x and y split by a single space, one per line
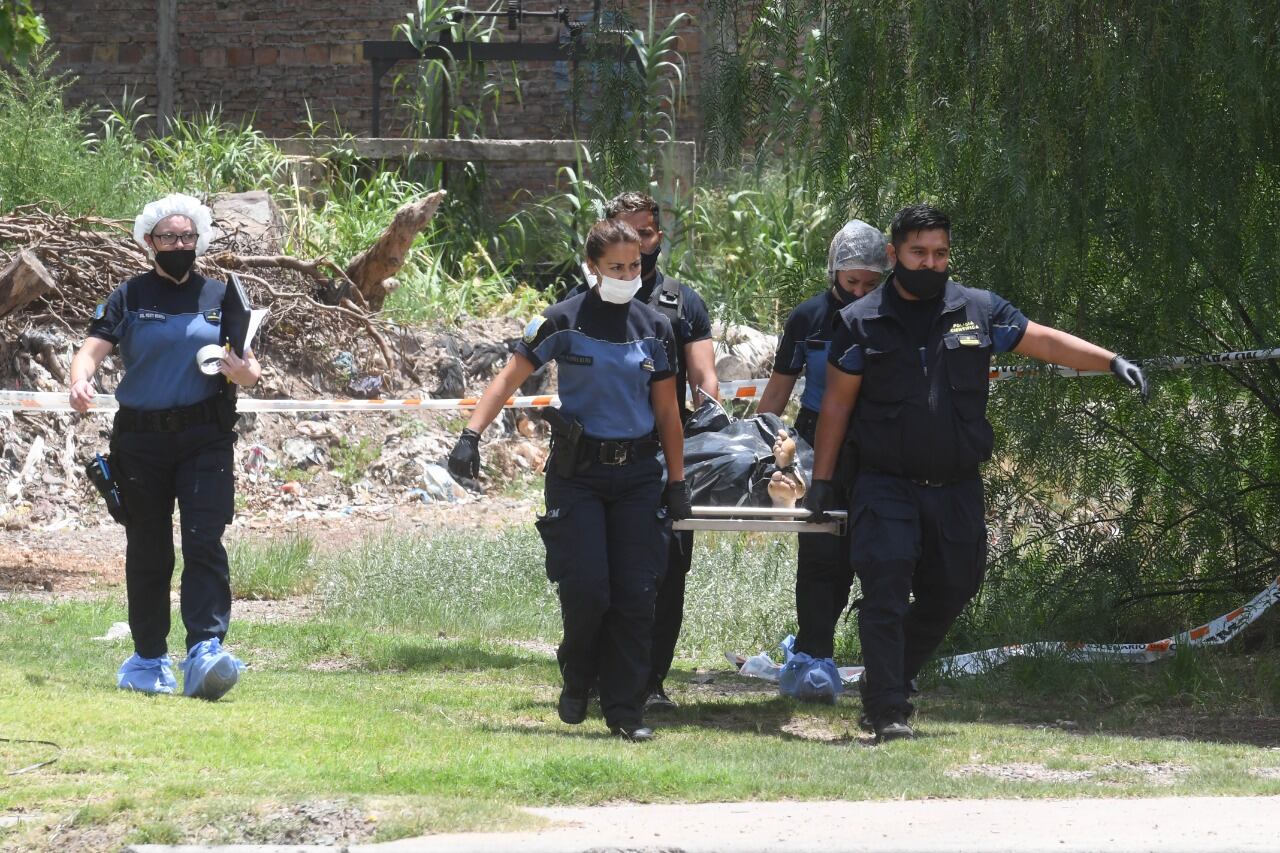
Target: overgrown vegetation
1115 174
1112 171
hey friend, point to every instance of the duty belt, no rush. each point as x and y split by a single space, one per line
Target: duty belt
617 452
167 420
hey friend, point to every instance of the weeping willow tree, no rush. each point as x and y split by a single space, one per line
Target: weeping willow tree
1113 168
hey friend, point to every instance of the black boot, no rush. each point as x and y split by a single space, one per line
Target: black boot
658 700
572 706
893 726
638 733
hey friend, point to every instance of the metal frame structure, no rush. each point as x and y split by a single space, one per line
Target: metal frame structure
761 519
384 55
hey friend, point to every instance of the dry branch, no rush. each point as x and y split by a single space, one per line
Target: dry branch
372 269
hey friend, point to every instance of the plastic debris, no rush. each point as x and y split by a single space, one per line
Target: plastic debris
117 631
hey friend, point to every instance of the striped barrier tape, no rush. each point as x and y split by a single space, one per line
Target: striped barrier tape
743 389
1214 633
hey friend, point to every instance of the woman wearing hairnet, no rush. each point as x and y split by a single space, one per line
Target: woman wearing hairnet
172 440
856 263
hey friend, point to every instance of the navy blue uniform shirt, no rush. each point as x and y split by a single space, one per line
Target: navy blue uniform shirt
158 330
921 410
608 356
805 341
693 325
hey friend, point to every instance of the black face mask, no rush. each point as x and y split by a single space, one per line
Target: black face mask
923 283
649 262
176 262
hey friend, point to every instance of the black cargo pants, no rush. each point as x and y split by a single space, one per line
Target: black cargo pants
920 553
606 537
824 574
195 468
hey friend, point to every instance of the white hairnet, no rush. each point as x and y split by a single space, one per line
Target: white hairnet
175 204
858 246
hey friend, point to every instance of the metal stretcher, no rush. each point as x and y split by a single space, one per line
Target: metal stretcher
761 519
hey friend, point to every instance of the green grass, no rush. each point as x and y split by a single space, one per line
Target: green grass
273 570
424 695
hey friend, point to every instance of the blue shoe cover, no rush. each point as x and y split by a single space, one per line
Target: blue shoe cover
147 675
810 680
209 671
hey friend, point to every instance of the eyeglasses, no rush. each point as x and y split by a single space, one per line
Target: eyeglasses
166 240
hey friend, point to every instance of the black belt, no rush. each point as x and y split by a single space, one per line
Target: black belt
167 420
617 452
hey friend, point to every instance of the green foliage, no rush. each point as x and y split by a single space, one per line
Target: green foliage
352 459
47 157
205 154
452 98
273 570
22 31
1113 172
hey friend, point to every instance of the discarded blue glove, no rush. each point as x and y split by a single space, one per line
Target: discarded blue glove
810 680
147 675
209 671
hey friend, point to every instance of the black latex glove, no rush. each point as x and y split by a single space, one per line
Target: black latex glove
820 498
678 500
464 460
1130 374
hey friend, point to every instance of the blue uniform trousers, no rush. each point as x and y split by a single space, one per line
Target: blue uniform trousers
195 467
606 537
920 554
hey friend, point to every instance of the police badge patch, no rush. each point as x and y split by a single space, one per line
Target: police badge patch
531 330
99 310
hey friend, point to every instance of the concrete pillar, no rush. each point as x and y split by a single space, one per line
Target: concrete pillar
166 61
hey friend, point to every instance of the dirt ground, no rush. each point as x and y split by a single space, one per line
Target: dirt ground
84 562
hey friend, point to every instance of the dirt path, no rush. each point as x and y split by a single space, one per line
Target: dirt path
1172 825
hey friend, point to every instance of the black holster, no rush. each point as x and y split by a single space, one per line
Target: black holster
566 434
98 469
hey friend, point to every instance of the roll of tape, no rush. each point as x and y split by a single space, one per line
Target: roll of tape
209 359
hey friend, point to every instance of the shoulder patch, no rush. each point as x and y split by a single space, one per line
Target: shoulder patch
99 310
531 330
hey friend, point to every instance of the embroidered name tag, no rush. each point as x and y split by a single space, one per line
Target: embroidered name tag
578 359
968 340
155 316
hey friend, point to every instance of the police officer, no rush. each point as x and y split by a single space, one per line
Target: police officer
172 440
605 529
856 262
912 364
695 366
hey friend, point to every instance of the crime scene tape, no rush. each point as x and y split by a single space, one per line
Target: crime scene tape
1213 633
742 389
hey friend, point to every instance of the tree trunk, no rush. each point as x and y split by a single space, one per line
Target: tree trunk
23 280
373 270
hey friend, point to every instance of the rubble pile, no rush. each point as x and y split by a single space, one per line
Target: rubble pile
296 464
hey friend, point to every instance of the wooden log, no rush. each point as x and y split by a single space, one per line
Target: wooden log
381 261
25 279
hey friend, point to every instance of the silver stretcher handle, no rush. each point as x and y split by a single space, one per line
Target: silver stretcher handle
761 519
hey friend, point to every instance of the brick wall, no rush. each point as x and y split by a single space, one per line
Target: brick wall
268 59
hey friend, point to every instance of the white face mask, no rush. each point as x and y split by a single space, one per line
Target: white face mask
618 291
